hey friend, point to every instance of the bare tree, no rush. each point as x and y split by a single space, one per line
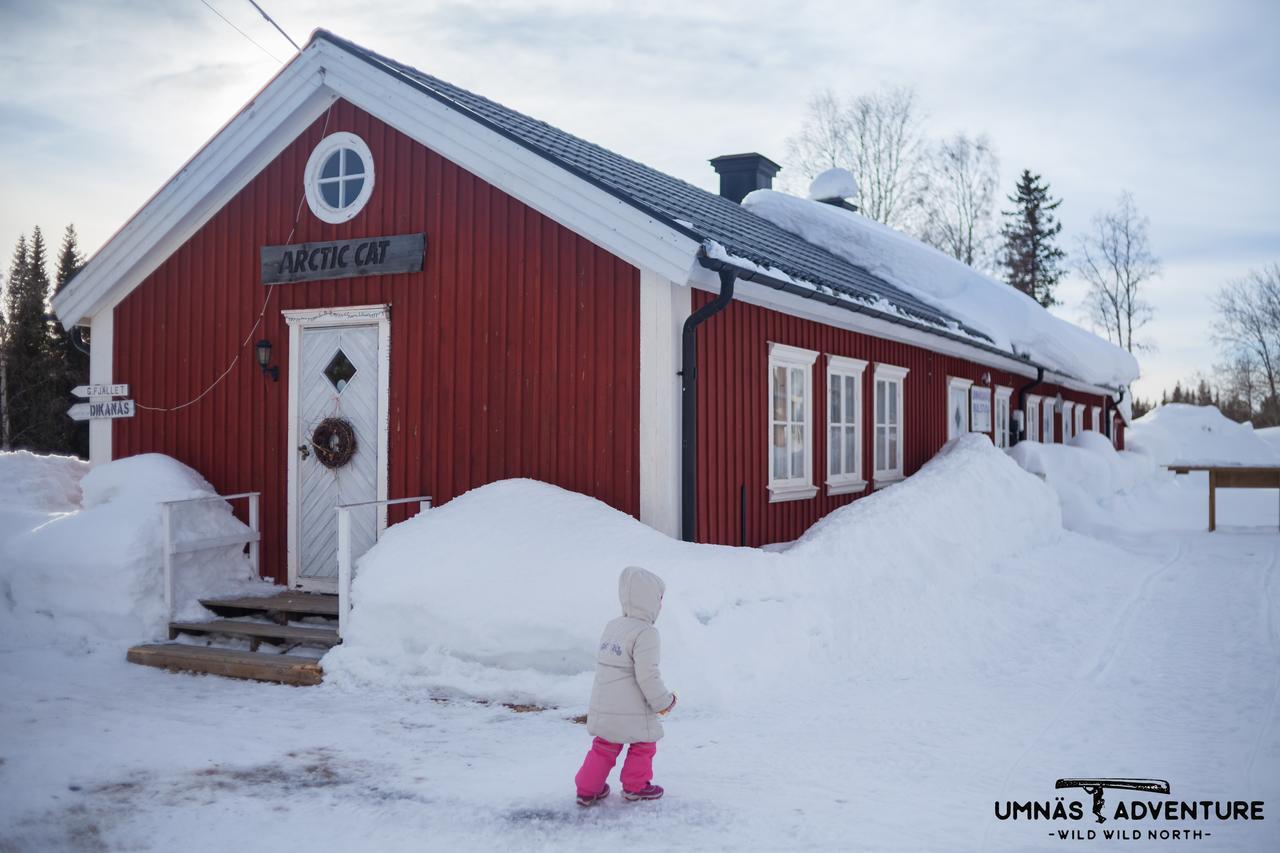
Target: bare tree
1115 259
877 137
1248 325
962 177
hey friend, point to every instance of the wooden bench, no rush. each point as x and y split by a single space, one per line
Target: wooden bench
1232 477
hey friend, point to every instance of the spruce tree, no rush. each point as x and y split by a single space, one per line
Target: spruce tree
1031 260
73 362
30 368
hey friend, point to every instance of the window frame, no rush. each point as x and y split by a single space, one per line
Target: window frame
1003 396
896 377
842 367
791 358
957 383
1077 425
1047 431
311 177
1031 414
1068 420
1096 417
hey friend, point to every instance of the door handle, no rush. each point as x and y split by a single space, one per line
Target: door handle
304 450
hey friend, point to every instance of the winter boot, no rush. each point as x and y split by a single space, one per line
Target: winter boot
584 800
648 792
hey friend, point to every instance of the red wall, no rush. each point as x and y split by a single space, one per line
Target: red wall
514 353
733 359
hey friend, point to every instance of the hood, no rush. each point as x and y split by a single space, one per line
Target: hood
640 592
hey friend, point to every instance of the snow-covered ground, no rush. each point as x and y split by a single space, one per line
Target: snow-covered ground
880 685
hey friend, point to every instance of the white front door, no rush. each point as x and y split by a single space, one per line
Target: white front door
337 375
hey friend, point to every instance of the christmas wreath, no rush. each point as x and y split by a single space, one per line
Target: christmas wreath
334 440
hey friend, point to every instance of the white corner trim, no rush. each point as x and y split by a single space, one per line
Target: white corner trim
320 318
663 309
101 358
780 493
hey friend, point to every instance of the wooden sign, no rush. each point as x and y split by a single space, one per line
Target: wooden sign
343 258
106 409
980 410
101 391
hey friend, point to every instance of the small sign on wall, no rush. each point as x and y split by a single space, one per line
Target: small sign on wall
980 410
343 258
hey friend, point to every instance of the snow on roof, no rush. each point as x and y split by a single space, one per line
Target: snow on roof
1179 433
1012 320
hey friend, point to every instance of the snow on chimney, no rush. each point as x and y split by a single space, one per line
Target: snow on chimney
836 187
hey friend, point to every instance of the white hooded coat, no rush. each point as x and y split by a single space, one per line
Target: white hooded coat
628 690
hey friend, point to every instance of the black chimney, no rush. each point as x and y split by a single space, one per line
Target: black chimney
742 173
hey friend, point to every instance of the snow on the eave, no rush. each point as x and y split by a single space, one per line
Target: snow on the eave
880 305
1014 322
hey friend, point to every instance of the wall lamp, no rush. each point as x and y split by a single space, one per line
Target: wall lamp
263 350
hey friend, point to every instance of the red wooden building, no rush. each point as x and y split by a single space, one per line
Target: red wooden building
476 295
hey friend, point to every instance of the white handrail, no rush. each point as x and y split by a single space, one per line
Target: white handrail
253 538
344 550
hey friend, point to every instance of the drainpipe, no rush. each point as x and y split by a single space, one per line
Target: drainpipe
1022 402
1110 404
689 403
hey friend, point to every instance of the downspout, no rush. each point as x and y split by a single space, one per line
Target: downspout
1111 418
689 402
1022 402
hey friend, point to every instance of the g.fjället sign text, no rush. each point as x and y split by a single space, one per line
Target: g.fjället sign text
343 258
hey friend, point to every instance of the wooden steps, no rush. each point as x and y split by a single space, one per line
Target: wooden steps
256 632
177 657
283 609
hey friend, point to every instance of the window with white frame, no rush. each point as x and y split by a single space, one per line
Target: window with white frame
1077 414
1046 424
1002 415
1097 419
844 425
339 177
957 406
889 381
1068 420
1032 414
790 423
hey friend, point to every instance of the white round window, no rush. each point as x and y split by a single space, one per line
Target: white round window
339 177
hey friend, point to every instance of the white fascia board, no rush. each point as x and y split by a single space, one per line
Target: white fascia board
754 293
604 219
238 152
296 98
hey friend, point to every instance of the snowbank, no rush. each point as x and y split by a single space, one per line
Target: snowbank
1085 473
502 592
95 573
34 488
1012 320
1178 433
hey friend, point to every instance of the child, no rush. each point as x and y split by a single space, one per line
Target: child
628 696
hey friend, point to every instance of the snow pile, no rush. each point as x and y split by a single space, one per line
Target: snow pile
1012 320
33 488
1179 433
96 573
834 183
501 593
1085 473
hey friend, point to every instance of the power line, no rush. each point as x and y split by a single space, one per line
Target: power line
240 31
272 22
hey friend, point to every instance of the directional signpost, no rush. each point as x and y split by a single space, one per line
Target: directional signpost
100 407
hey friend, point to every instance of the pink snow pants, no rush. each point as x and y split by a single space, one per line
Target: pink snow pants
637 769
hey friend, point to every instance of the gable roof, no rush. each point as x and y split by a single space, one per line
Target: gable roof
682 206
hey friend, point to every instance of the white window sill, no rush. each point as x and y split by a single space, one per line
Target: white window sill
778 494
887 480
844 487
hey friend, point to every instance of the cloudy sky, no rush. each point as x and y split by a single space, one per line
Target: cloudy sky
100 102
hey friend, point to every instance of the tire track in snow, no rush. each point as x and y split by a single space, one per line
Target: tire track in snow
1119 626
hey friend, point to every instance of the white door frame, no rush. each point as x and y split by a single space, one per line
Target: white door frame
328 318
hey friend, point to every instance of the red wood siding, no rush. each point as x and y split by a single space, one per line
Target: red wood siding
733 435
514 353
